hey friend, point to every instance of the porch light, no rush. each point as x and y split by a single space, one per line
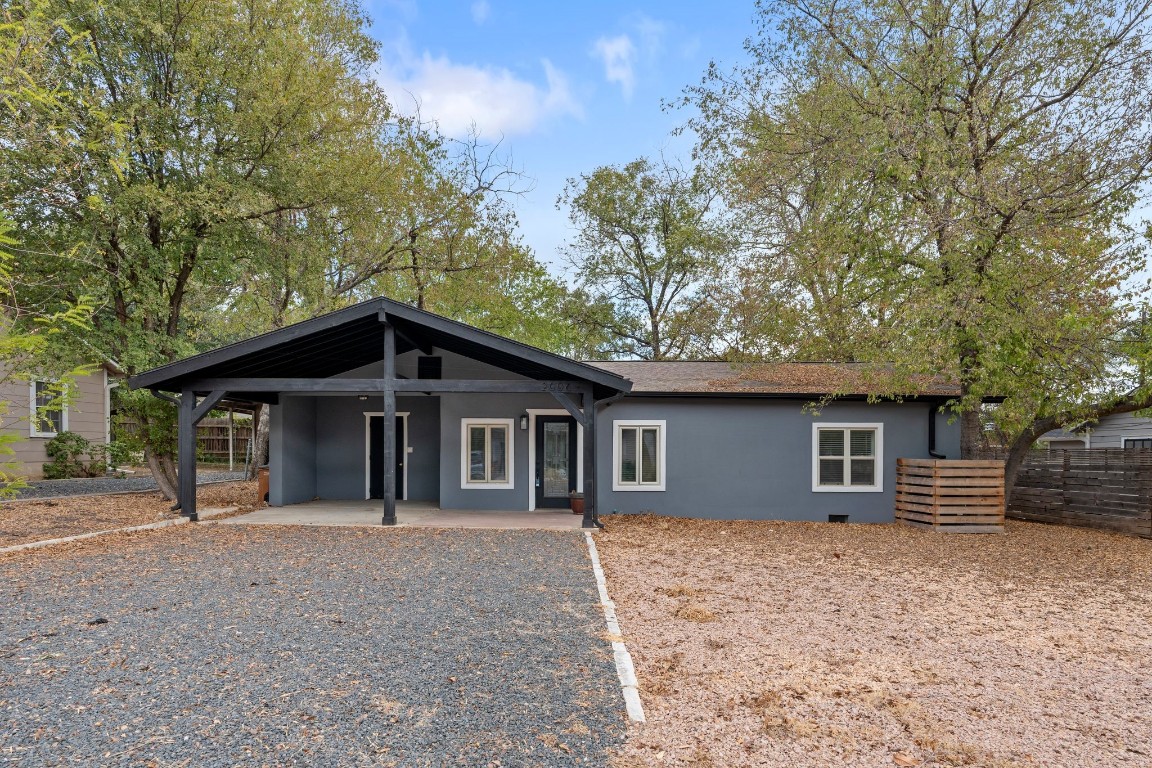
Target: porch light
362 397
523 421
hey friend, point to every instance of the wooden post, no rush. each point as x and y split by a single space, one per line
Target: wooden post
231 455
186 454
590 520
389 447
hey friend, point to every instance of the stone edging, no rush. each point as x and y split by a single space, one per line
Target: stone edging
624 667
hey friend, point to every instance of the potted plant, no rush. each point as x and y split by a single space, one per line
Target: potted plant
576 501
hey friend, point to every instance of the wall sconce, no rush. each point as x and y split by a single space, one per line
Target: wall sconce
363 397
523 421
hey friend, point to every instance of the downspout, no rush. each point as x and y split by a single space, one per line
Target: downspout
176 402
932 411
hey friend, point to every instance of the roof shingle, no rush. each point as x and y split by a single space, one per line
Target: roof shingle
808 379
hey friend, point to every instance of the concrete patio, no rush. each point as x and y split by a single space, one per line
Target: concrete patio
408 513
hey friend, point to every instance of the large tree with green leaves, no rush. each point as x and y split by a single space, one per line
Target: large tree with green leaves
647 243
218 168
963 174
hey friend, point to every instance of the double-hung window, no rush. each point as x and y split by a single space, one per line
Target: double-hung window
638 450
47 416
486 460
847 457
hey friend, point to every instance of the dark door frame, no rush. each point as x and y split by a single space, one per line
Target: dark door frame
534 430
401 416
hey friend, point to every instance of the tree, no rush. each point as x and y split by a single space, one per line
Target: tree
982 160
191 136
647 242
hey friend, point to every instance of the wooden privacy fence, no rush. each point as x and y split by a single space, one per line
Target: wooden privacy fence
951 495
1109 488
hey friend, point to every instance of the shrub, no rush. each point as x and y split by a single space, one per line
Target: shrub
65 451
68 450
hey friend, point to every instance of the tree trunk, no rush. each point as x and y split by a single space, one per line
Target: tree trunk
165 480
260 441
971 434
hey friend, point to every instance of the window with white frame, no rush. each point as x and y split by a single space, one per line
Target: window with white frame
638 450
486 460
847 457
47 416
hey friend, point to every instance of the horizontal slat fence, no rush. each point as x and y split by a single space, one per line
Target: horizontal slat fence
1108 488
951 495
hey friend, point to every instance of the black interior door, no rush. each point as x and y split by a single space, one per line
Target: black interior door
556 460
376 457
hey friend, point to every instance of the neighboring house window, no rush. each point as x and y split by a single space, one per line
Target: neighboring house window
638 451
487 453
1141 442
47 417
847 457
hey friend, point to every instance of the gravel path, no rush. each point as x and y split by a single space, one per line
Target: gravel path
85 486
214 646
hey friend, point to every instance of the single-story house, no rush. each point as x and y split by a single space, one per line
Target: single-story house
382 400
1120 430
36 415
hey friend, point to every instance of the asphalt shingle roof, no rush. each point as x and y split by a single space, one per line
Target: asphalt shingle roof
809 379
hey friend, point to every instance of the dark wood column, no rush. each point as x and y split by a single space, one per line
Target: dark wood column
589 459
186 454
389 447
190 414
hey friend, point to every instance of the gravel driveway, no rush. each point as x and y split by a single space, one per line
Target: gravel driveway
205 646
83 486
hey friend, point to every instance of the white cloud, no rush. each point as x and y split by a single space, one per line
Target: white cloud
493 99
480 11
618 55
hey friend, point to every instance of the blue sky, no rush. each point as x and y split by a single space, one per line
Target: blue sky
566 87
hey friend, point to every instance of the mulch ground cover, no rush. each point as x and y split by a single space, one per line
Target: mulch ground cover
816 645
27 521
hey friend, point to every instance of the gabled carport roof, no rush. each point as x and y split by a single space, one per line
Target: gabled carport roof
349 338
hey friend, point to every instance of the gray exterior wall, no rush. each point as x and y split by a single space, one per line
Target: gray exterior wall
1111 431
292 450
454 408
745 459
727 458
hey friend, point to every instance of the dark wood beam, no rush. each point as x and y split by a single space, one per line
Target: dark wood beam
570 406
337 386
423 346
186 454
590 520
389 447
207 404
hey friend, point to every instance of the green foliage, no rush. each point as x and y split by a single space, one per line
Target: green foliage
66 451
647 244
943 186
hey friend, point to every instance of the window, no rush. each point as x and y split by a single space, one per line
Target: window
486 457
47 415
1141 442
638 452
847 457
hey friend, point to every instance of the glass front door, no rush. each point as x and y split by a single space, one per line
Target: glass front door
555 460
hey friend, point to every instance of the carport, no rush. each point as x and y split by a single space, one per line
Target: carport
353 354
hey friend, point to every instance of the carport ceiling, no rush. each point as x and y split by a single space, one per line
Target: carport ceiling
350 338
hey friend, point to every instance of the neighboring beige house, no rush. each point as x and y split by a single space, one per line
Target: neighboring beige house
87 414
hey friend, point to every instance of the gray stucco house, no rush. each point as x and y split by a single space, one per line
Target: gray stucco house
381 400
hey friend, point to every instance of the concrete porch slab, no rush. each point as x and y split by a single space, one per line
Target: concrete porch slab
409 514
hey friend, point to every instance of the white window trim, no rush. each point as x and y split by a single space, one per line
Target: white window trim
368 452
877 488
532 414
33 413
661 454
465 460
